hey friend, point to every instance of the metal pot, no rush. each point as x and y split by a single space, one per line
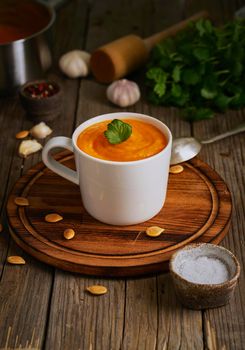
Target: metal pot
25 42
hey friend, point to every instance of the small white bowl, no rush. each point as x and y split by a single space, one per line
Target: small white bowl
204 275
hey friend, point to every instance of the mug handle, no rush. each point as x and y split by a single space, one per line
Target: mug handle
55 166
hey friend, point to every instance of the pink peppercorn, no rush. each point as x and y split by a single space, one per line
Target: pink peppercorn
41 90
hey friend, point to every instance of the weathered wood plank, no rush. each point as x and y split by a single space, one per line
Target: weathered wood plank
24 298
98 321
178 328
228 160
79 320
226 325
15 287
26 290
141 309
220 10
142 312
8 149
19 324
141 328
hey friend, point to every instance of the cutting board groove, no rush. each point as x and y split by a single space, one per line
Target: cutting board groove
197 209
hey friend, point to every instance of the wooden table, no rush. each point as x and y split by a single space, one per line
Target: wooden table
43 307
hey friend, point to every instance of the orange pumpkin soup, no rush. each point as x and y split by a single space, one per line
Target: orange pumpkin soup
145 141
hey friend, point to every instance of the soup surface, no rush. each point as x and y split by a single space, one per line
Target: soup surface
145 141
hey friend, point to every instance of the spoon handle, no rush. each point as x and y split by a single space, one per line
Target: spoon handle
236 130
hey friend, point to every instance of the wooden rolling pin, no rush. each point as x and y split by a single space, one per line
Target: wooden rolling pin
122 56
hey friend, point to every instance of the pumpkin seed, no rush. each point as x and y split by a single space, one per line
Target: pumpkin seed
53 217
97 289
22 134
69 233
176 169
21 201
15 260
154 231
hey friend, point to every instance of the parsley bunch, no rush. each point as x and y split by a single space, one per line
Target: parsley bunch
201 69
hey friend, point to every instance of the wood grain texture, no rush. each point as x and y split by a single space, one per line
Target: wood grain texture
18 300
79 320
197 208
178 328
8 148
30 287
69 322
92 102
227 324
141 308
101 323
109 20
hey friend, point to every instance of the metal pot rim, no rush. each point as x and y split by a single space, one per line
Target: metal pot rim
50 23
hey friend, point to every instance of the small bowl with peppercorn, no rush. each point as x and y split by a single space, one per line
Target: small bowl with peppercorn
204 275
42 99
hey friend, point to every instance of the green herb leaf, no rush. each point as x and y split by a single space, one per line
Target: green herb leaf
237 69
181 100
201 69
193 113
118 131
190 76
200 27
160 79
208 94
204 113
222 101
201 53
176 90
176 73
208 26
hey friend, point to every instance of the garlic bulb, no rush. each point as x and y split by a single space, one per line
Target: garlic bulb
75 63
41 130
28 147
123 92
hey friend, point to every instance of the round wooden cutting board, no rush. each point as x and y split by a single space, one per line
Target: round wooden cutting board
197 209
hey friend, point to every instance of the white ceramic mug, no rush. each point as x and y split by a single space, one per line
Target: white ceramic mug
116 193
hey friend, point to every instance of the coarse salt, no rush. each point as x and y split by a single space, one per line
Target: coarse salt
204 270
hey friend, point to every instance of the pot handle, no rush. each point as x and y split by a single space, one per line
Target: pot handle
55 166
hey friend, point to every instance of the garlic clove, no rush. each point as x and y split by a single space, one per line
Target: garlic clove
41 130
124 100
75 63
123 92
28 147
